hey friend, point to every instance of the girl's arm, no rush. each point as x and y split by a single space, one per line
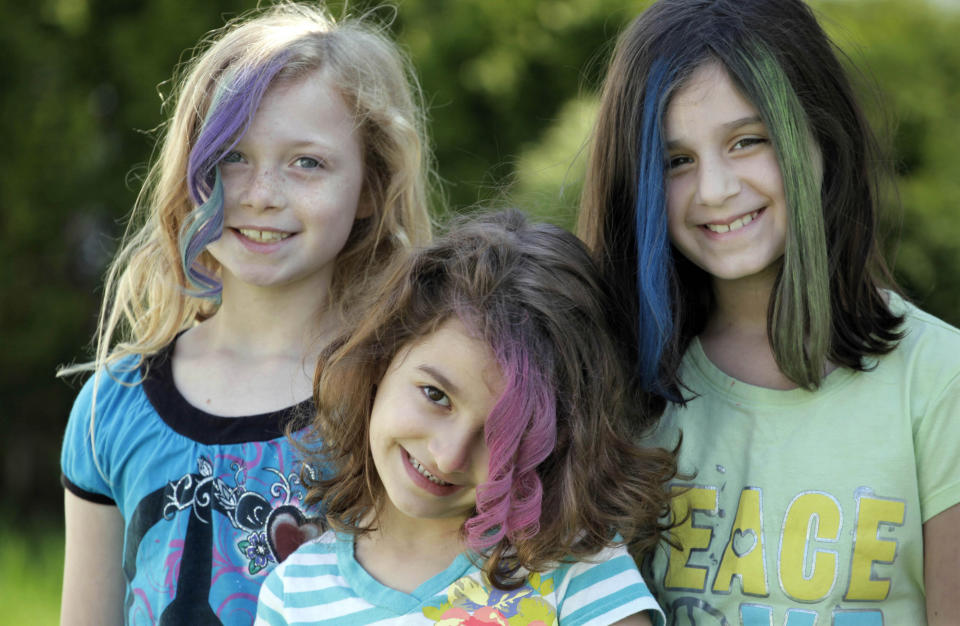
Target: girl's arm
941 566
93 584
637 619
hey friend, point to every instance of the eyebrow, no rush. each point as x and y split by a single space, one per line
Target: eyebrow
329 151
727 127
743 121
443 380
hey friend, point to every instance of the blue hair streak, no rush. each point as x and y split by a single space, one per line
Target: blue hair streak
655 316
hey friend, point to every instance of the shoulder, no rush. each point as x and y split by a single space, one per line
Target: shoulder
297 581
604 565
923 330
104 404
320 552
115 378
109 391
602 589
928 353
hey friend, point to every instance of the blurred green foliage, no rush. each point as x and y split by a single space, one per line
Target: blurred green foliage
511 89
31 567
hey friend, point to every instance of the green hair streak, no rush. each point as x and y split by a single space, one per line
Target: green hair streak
800 320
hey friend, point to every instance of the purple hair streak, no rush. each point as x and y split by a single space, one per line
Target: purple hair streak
236 99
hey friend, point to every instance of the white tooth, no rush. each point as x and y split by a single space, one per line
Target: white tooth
263 236
423 471
734 225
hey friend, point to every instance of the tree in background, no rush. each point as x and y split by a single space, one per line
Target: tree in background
511 88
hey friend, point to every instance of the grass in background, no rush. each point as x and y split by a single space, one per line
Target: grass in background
31 566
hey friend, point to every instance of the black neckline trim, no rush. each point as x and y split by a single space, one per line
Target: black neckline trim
206 428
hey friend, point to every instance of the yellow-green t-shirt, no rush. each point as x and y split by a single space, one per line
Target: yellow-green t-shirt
807 507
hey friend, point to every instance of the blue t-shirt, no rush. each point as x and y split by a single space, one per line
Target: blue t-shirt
200 495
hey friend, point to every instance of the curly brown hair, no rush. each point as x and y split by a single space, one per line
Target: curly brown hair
533 293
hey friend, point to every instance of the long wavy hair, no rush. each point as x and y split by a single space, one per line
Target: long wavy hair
827 302
534 295
161 280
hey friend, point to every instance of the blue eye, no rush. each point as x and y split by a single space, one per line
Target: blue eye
435 395
308 162
232 157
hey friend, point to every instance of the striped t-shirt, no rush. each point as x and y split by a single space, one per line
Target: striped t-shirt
322 583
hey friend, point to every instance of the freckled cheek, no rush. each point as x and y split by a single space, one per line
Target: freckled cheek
231 189
335 202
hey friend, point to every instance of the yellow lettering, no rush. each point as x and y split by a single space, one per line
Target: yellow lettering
685 504
869 548
743 555
815 514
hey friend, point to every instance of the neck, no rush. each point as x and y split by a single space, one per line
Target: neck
258 353
744 303
735 338
403 532
403 553
260 322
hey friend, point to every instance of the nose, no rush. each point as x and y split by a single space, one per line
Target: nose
263 189
456 447
717 182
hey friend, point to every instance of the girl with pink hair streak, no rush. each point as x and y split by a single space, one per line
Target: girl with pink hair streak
478 438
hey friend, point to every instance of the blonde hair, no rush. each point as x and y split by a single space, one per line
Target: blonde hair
147 299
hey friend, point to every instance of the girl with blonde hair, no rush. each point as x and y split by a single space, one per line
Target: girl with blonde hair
295 165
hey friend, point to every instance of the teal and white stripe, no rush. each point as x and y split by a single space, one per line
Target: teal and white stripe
322 583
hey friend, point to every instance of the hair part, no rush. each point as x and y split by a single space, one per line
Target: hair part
533 294
827 303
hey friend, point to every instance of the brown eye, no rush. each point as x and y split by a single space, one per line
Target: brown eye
746 142
435 395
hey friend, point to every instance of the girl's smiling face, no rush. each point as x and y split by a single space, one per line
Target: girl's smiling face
726 208
292 187
427 425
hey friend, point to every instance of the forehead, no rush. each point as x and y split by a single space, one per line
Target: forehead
454 348
310 99
708 94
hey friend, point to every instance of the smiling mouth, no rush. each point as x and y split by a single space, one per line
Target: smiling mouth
263 236
736 224
415 464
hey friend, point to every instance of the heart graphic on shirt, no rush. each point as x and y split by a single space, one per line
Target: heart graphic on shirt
743 541
287 530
